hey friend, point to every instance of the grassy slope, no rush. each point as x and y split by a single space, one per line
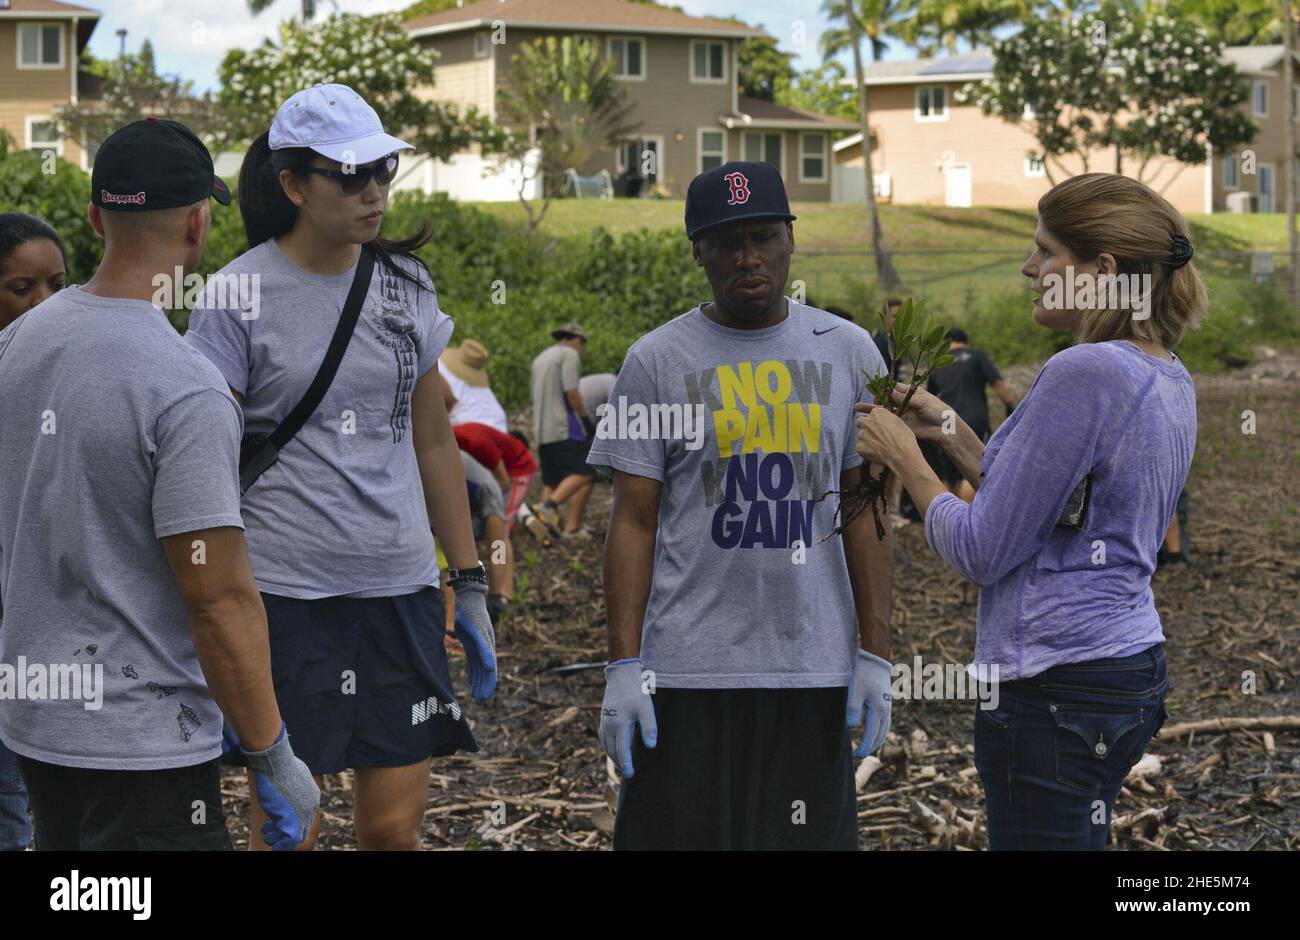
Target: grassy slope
950 256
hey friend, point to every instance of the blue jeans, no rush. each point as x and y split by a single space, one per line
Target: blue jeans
15 825
1054 753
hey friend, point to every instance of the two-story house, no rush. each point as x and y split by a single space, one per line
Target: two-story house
40 45
679 71
928 149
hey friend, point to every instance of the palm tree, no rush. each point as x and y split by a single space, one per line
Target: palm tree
878 20
308 7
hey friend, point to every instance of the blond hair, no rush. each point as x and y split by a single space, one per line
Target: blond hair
1105 212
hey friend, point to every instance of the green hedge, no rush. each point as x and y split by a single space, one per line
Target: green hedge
508 288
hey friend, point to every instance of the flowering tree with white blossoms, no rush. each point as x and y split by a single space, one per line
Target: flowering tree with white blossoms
373 55
1116 80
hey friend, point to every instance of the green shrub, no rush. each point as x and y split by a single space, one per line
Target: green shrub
59 197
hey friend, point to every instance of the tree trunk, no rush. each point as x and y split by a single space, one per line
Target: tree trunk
884 266
1288 82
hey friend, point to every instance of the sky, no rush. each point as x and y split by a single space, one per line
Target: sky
191 36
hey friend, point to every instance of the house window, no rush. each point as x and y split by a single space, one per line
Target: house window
708 62
931 103
629 57
1035 166
1229 172
766 147
40 46
1259 98
43 135
640 155
812 158
713 149
480 45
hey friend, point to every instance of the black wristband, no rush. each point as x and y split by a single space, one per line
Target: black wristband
461 576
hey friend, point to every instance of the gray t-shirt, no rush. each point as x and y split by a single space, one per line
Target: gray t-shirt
735 602
116 434
342 511
554 372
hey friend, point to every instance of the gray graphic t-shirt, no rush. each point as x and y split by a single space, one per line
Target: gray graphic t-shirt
116 434
554 372
759 424
342 511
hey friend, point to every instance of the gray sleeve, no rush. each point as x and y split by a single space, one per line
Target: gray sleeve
874 364
196 464
643 458
221 334
437 326
569 370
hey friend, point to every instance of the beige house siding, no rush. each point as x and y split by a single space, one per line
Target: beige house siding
1269 147
913 153
459 77
669 106
34 93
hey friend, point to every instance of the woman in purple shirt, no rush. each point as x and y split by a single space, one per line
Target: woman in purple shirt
1073 496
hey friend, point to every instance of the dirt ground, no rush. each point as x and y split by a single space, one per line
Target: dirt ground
542 782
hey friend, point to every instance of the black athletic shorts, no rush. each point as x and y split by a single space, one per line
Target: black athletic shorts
79 809
742 769
564 459
364 681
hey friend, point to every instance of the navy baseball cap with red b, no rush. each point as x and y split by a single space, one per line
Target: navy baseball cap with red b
154 164
740 190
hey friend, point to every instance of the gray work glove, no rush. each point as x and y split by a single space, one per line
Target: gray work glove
627 706
287 792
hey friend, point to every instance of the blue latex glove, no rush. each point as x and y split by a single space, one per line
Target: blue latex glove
869 692
627 706
473 627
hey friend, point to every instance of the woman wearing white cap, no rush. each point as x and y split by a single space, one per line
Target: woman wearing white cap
338 526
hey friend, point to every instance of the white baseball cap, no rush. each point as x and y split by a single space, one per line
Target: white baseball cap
334 121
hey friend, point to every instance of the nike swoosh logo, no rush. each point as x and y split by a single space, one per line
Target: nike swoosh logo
827 330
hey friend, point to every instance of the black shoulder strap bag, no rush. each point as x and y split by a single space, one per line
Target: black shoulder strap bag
259 452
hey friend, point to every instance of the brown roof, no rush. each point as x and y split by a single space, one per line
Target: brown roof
589 15
45 6
767 113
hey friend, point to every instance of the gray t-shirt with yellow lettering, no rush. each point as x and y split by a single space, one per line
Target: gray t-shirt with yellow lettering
744 593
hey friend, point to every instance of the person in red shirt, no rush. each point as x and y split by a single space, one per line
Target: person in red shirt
506 455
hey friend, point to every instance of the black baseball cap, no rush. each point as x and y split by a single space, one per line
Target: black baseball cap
740 190
154 164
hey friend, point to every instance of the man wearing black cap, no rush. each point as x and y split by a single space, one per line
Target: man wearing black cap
562 428
742 645
121 543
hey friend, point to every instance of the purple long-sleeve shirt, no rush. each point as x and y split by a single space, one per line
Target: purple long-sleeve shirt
1049 593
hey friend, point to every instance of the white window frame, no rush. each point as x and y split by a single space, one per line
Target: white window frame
486 42
690 62
43 66
916 104
762 133
700 152
645 63
1028 113
1038 173
42 119
825 156
1255 86
1230 177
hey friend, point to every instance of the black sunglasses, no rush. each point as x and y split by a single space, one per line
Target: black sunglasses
351 184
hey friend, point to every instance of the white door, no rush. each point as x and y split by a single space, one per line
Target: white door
956 185
1266 188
